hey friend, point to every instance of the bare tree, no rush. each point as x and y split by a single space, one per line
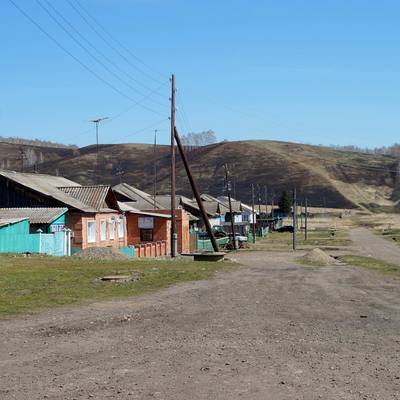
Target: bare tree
193 140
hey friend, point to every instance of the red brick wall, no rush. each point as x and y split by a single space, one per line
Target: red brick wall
182 229
77 222
160 231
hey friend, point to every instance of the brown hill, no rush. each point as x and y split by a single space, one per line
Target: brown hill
327 176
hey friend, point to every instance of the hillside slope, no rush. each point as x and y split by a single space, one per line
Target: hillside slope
327 176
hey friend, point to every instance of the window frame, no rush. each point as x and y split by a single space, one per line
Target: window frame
91 222
121 232
103 224
111 229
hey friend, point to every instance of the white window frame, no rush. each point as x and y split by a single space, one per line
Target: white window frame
121 227
111 228
103 230
91 239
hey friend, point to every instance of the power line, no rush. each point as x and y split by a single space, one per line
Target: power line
115 65
82 64
86 50
105 40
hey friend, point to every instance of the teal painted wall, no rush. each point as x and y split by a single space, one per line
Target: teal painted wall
15 238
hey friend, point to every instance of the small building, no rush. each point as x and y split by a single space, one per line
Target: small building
46 219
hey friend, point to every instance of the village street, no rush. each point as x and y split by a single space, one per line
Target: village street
271 329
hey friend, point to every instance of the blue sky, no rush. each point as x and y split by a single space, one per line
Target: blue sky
322 72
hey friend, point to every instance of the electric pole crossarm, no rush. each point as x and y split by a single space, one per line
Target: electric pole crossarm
196 192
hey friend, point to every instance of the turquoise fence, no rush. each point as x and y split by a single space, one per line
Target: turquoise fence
128 251
15 238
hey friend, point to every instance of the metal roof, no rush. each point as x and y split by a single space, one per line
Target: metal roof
94 196
127 207
36 215
46 185
9 221
143 200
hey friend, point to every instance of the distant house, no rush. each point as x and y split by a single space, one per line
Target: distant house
93 212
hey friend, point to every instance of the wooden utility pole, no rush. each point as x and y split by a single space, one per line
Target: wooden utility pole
259 199
228 190
306 220
253 213
173 217
294 218
155 168
266 199
96 123
196 191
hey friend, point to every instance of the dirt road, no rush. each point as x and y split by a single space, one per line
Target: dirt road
375 246
269 330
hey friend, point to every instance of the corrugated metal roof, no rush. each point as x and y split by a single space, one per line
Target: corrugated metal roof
143 200
9 221
36 215
93 196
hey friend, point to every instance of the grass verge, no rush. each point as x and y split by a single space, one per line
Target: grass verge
372 264
323 239
31 284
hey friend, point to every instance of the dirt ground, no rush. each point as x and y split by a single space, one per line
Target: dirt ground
369 244
271 329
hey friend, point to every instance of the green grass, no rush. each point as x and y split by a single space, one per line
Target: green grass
276 241
31 284
372 264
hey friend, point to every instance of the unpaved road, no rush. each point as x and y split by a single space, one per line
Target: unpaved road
373 245
270 330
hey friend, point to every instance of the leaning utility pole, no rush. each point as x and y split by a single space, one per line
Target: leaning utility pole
196 192
306 220
253 216
294 218
96 122
173 217
228 190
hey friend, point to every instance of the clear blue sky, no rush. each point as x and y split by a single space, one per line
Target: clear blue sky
308 71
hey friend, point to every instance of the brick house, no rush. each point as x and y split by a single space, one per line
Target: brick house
93 213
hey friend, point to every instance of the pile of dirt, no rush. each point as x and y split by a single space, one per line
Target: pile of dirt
317 256
101 253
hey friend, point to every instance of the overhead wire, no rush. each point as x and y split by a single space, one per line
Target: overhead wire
95 48
105 40
87 51
81 63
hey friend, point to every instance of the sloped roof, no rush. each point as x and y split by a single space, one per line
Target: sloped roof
127 207
144 200
36 215
236 204
9 221
46 185
93 196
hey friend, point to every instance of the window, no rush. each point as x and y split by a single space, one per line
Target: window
121 227
146 235
91 231
103 229
112 228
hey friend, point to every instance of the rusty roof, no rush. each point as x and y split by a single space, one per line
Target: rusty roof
36 215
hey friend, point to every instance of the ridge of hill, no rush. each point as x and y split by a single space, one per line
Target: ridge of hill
328 177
